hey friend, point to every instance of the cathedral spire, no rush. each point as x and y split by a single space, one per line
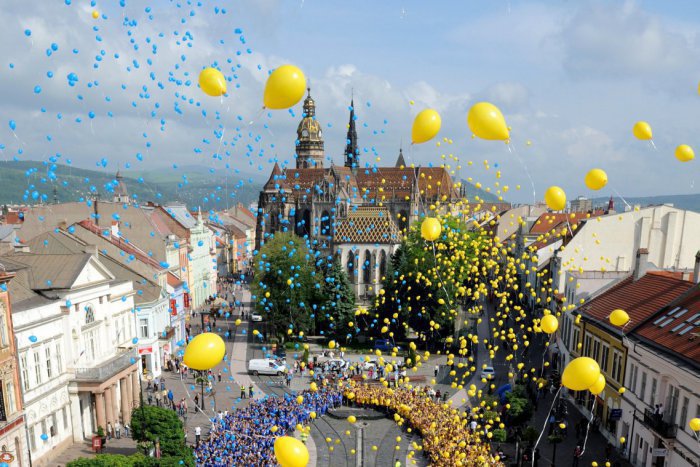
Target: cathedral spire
400 162
351 151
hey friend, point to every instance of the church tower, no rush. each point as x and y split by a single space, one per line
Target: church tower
309 138
352 153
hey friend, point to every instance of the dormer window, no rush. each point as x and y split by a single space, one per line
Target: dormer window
305 133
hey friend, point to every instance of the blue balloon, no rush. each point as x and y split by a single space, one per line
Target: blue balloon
44 436
27 32
13 125
33 338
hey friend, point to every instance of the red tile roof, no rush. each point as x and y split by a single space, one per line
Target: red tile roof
640 299
676 327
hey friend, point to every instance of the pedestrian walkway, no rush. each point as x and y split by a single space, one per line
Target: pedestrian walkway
125 446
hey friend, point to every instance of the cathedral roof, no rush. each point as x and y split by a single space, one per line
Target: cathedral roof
367 224
400 162
387 183
276 180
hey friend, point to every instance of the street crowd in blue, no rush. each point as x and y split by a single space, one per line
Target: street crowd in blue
245 437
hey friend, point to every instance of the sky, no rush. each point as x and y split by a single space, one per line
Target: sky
571 79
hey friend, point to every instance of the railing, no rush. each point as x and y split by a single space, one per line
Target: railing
169 333
107 369
655 422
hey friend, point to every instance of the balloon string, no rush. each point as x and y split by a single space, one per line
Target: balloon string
588 425
257 116
652 144
545 425
623 199
511 149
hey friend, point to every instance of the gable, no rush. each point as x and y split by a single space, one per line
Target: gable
93 272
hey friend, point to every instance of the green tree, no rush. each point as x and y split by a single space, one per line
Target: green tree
423 282
286 283
150 423
336 307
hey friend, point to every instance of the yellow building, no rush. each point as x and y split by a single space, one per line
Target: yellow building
588 332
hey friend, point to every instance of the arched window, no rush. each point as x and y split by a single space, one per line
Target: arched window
325 224
303 223
350 265
403 220
366 267
89 314
382 263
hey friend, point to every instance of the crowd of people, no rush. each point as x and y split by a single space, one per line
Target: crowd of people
246 437
447 439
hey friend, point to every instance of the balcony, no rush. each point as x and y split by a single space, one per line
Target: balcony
655 422
107 369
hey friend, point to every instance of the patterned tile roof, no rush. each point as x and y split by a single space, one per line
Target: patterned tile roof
367 224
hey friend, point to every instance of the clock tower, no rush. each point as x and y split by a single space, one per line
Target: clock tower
309 145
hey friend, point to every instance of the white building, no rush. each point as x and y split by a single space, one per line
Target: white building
74 327
610 242
201 254
663 367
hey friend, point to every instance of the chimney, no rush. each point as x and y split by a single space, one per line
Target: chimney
115 228
696 270
640 264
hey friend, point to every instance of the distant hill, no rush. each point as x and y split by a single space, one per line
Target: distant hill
473 191
689 202
30 182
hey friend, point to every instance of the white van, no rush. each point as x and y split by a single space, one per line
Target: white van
266 366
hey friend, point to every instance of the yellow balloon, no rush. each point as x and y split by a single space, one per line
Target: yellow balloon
694 424
274 429
596 179
425 126
555 198
685 153
204 352
619 318
212 82
284 88
642 130
95 14
622 440
486 121
300 399
290 452
549 324
581 373
352 419
238 322
331 345
598 386
430 229
312 415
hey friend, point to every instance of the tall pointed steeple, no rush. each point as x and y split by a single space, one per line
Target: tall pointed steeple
400 162
352 153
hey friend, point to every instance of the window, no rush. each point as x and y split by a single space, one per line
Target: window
89 314
143 323
11 407
616 366
65 418
59 361
43 428
605 356
49 363
596 349
4 342
25 372
632 382
672 403
54 424
643 386
653 391
684 413
577 336
587 345
3 414
32 439
37 367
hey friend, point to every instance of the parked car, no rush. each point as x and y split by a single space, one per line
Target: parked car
256 318
266 366
488 373
385 345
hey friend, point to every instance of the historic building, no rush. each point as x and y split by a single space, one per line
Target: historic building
13 437
356 212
